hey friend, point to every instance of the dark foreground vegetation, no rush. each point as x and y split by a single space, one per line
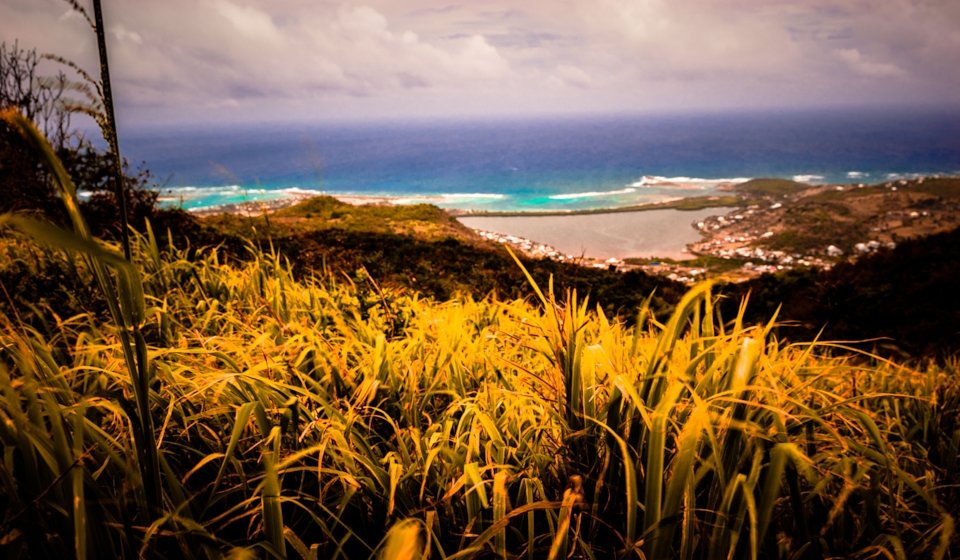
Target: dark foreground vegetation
308 418
902 302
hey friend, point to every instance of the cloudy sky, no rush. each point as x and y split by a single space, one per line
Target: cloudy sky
209 60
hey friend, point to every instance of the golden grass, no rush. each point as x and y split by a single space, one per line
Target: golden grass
308 417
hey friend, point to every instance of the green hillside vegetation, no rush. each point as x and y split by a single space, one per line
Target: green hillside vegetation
714 264
813 229
946 187
853 215
771 186
848 194
938 186
701 202
325 212
449 261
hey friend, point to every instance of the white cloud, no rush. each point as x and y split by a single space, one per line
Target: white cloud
856 62
363 20
693 40
378 58
122 34
249 21
395 56
571 76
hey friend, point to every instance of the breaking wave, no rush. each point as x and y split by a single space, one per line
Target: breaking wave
657 181
445 198
591 194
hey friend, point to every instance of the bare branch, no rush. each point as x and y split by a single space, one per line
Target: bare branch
76 68
46 100
76 6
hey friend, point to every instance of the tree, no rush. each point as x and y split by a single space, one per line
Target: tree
51 103
21 176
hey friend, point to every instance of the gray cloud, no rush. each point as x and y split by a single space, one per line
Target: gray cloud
241 59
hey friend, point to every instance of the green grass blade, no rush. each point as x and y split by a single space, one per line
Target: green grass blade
79 499
270 499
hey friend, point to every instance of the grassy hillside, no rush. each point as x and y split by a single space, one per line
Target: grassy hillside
940 186
325 212
944 187
771 186
317 418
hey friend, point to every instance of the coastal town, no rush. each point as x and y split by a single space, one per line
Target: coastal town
783 224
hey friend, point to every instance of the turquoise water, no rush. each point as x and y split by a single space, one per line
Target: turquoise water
560 164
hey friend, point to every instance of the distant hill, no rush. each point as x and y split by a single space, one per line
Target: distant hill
806 223
939 186
771 186
319 213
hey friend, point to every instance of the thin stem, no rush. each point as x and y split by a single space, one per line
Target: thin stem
110 130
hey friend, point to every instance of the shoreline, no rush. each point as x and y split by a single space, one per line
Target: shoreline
607 251
737 235
258 207
678 203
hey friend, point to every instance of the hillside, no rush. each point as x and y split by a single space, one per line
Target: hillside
422 248
905 297
767 186
422 221
853 219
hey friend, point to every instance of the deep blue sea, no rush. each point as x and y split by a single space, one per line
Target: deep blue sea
543 164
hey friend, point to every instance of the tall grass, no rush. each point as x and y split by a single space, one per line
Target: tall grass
314 418
288 420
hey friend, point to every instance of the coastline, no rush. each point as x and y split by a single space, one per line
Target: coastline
738 234
258 207
593 236
678 203
673 192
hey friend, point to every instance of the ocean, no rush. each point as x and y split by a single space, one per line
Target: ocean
536 164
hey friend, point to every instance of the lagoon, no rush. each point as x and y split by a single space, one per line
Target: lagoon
647 233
